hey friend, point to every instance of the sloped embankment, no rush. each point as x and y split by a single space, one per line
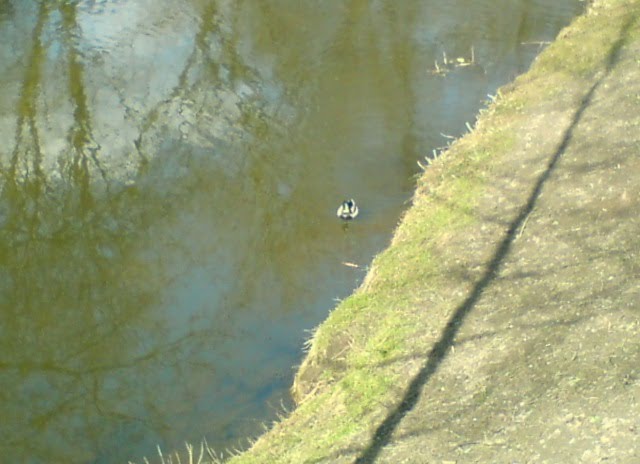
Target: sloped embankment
503 322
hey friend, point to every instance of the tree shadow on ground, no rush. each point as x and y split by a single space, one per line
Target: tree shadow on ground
382 435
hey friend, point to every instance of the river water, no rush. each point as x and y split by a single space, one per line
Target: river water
169 176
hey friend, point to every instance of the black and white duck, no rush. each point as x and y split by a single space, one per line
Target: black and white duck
348 210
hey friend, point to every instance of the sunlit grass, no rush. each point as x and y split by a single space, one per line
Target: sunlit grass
204 454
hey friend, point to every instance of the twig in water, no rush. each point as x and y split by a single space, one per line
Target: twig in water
536 42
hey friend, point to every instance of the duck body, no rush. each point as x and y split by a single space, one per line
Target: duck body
348 210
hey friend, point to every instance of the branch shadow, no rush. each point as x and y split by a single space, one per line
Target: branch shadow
382 435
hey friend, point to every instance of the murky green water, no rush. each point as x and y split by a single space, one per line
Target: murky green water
169 176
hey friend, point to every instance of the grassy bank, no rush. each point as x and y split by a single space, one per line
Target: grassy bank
377 355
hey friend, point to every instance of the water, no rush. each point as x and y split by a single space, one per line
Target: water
169 175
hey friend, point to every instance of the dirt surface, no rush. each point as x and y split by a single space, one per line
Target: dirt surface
543 361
